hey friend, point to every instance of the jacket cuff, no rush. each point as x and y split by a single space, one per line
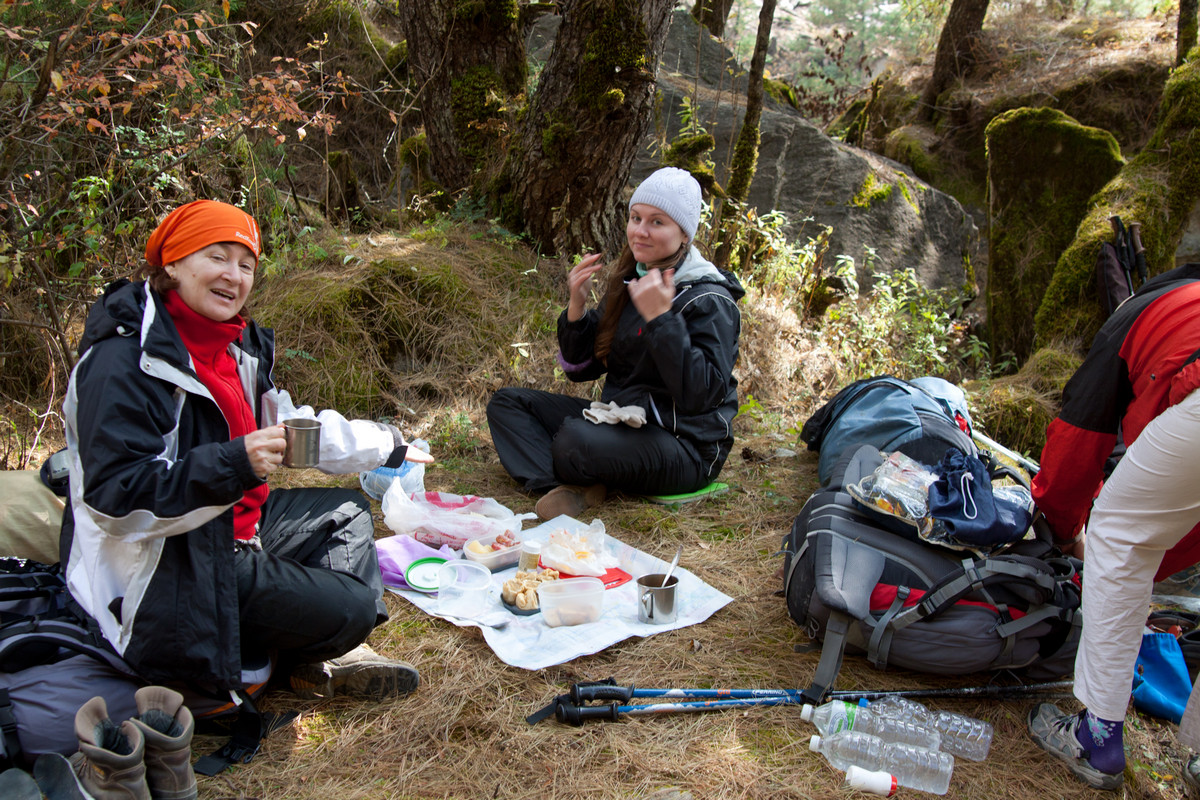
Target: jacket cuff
401 447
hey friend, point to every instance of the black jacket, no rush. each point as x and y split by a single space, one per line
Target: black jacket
678 366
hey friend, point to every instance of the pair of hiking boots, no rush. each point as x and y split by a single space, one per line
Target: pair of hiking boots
146 757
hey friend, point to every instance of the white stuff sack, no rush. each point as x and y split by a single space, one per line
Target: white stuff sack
581 553
438 518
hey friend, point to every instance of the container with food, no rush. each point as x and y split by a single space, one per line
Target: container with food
573 601
497 551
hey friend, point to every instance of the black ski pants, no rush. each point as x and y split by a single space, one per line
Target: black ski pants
543 440
314 591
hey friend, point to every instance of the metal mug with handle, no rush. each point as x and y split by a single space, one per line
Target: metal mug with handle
303 442
657 599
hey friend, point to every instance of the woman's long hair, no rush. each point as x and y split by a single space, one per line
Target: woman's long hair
616 296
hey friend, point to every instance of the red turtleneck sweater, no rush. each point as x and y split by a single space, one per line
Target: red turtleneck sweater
208 343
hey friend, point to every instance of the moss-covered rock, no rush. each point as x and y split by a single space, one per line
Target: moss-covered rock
1043 168
909 145
1157 187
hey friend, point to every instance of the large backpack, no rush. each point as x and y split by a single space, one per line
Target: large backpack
857 587
52 661
921 418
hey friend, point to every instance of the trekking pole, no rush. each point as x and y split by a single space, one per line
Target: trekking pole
1030 466
581 693
995 692
1124 249
1139 251
576 715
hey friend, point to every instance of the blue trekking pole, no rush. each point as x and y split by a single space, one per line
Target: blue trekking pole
576 715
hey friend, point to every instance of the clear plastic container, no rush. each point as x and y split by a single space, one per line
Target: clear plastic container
481 551
962 736
838 715
912 767
464 589
572 601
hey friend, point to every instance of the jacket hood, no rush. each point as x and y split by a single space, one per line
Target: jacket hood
696 269
122 311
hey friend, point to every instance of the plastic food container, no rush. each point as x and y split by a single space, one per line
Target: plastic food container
572 601
492 559
463 588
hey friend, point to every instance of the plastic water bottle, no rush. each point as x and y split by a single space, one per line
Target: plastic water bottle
838 715
912 767
862 780
962 736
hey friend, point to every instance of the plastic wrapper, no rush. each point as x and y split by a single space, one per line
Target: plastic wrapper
438 518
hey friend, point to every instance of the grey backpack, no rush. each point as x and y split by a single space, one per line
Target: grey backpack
52 661
855 586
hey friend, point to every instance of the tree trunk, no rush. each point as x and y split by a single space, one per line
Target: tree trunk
712 14
594 101
745 150
467 65
955 50
1185 38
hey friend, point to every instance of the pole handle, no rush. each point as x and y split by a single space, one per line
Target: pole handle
572 714
1135 233
585 693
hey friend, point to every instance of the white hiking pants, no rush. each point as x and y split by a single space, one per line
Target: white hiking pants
1151 501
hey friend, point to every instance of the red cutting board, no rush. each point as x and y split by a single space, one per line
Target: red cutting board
614 577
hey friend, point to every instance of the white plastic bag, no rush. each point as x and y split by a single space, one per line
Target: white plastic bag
438 518
411 475
582 553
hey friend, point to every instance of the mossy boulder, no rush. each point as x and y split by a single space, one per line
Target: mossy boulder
1043 168
1158 187
910 145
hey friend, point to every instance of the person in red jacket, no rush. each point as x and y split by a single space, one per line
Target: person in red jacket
1137 385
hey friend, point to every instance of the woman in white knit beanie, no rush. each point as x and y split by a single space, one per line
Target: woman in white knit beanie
665 334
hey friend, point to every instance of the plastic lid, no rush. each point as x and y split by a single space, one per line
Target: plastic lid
422 574
531 546
874 782
806 712
814 744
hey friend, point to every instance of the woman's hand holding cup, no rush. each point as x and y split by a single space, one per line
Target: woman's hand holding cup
265 449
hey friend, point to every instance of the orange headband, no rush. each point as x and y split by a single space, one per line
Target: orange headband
199 224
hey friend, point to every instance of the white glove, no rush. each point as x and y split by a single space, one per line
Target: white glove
611 413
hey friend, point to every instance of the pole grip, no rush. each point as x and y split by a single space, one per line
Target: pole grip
572 714
582 693
1135 233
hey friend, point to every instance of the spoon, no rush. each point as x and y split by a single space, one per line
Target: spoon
671 568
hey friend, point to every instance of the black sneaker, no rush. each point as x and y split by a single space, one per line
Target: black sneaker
360 673
1054 731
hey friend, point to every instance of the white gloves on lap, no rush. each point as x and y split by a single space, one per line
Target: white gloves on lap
611 413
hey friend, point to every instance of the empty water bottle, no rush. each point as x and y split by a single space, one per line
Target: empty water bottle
912 767
962 736
838 715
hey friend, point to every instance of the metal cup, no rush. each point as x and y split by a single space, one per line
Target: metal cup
303 442
656 603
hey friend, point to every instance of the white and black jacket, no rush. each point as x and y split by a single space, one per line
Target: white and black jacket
154 477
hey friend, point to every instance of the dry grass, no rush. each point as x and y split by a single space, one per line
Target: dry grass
463 734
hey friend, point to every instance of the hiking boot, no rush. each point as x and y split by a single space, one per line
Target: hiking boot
1191 771
1054 732
17 784
360 673
167 727
56 778
570 500
109 762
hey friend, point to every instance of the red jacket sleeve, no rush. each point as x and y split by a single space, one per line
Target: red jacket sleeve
1072 471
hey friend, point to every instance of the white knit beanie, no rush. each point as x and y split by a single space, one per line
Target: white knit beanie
674 191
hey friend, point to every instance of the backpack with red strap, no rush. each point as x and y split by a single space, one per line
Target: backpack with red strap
855 586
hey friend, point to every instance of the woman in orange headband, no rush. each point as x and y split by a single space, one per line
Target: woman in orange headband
172 540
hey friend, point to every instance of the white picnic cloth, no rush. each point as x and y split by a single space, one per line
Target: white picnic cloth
528 643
